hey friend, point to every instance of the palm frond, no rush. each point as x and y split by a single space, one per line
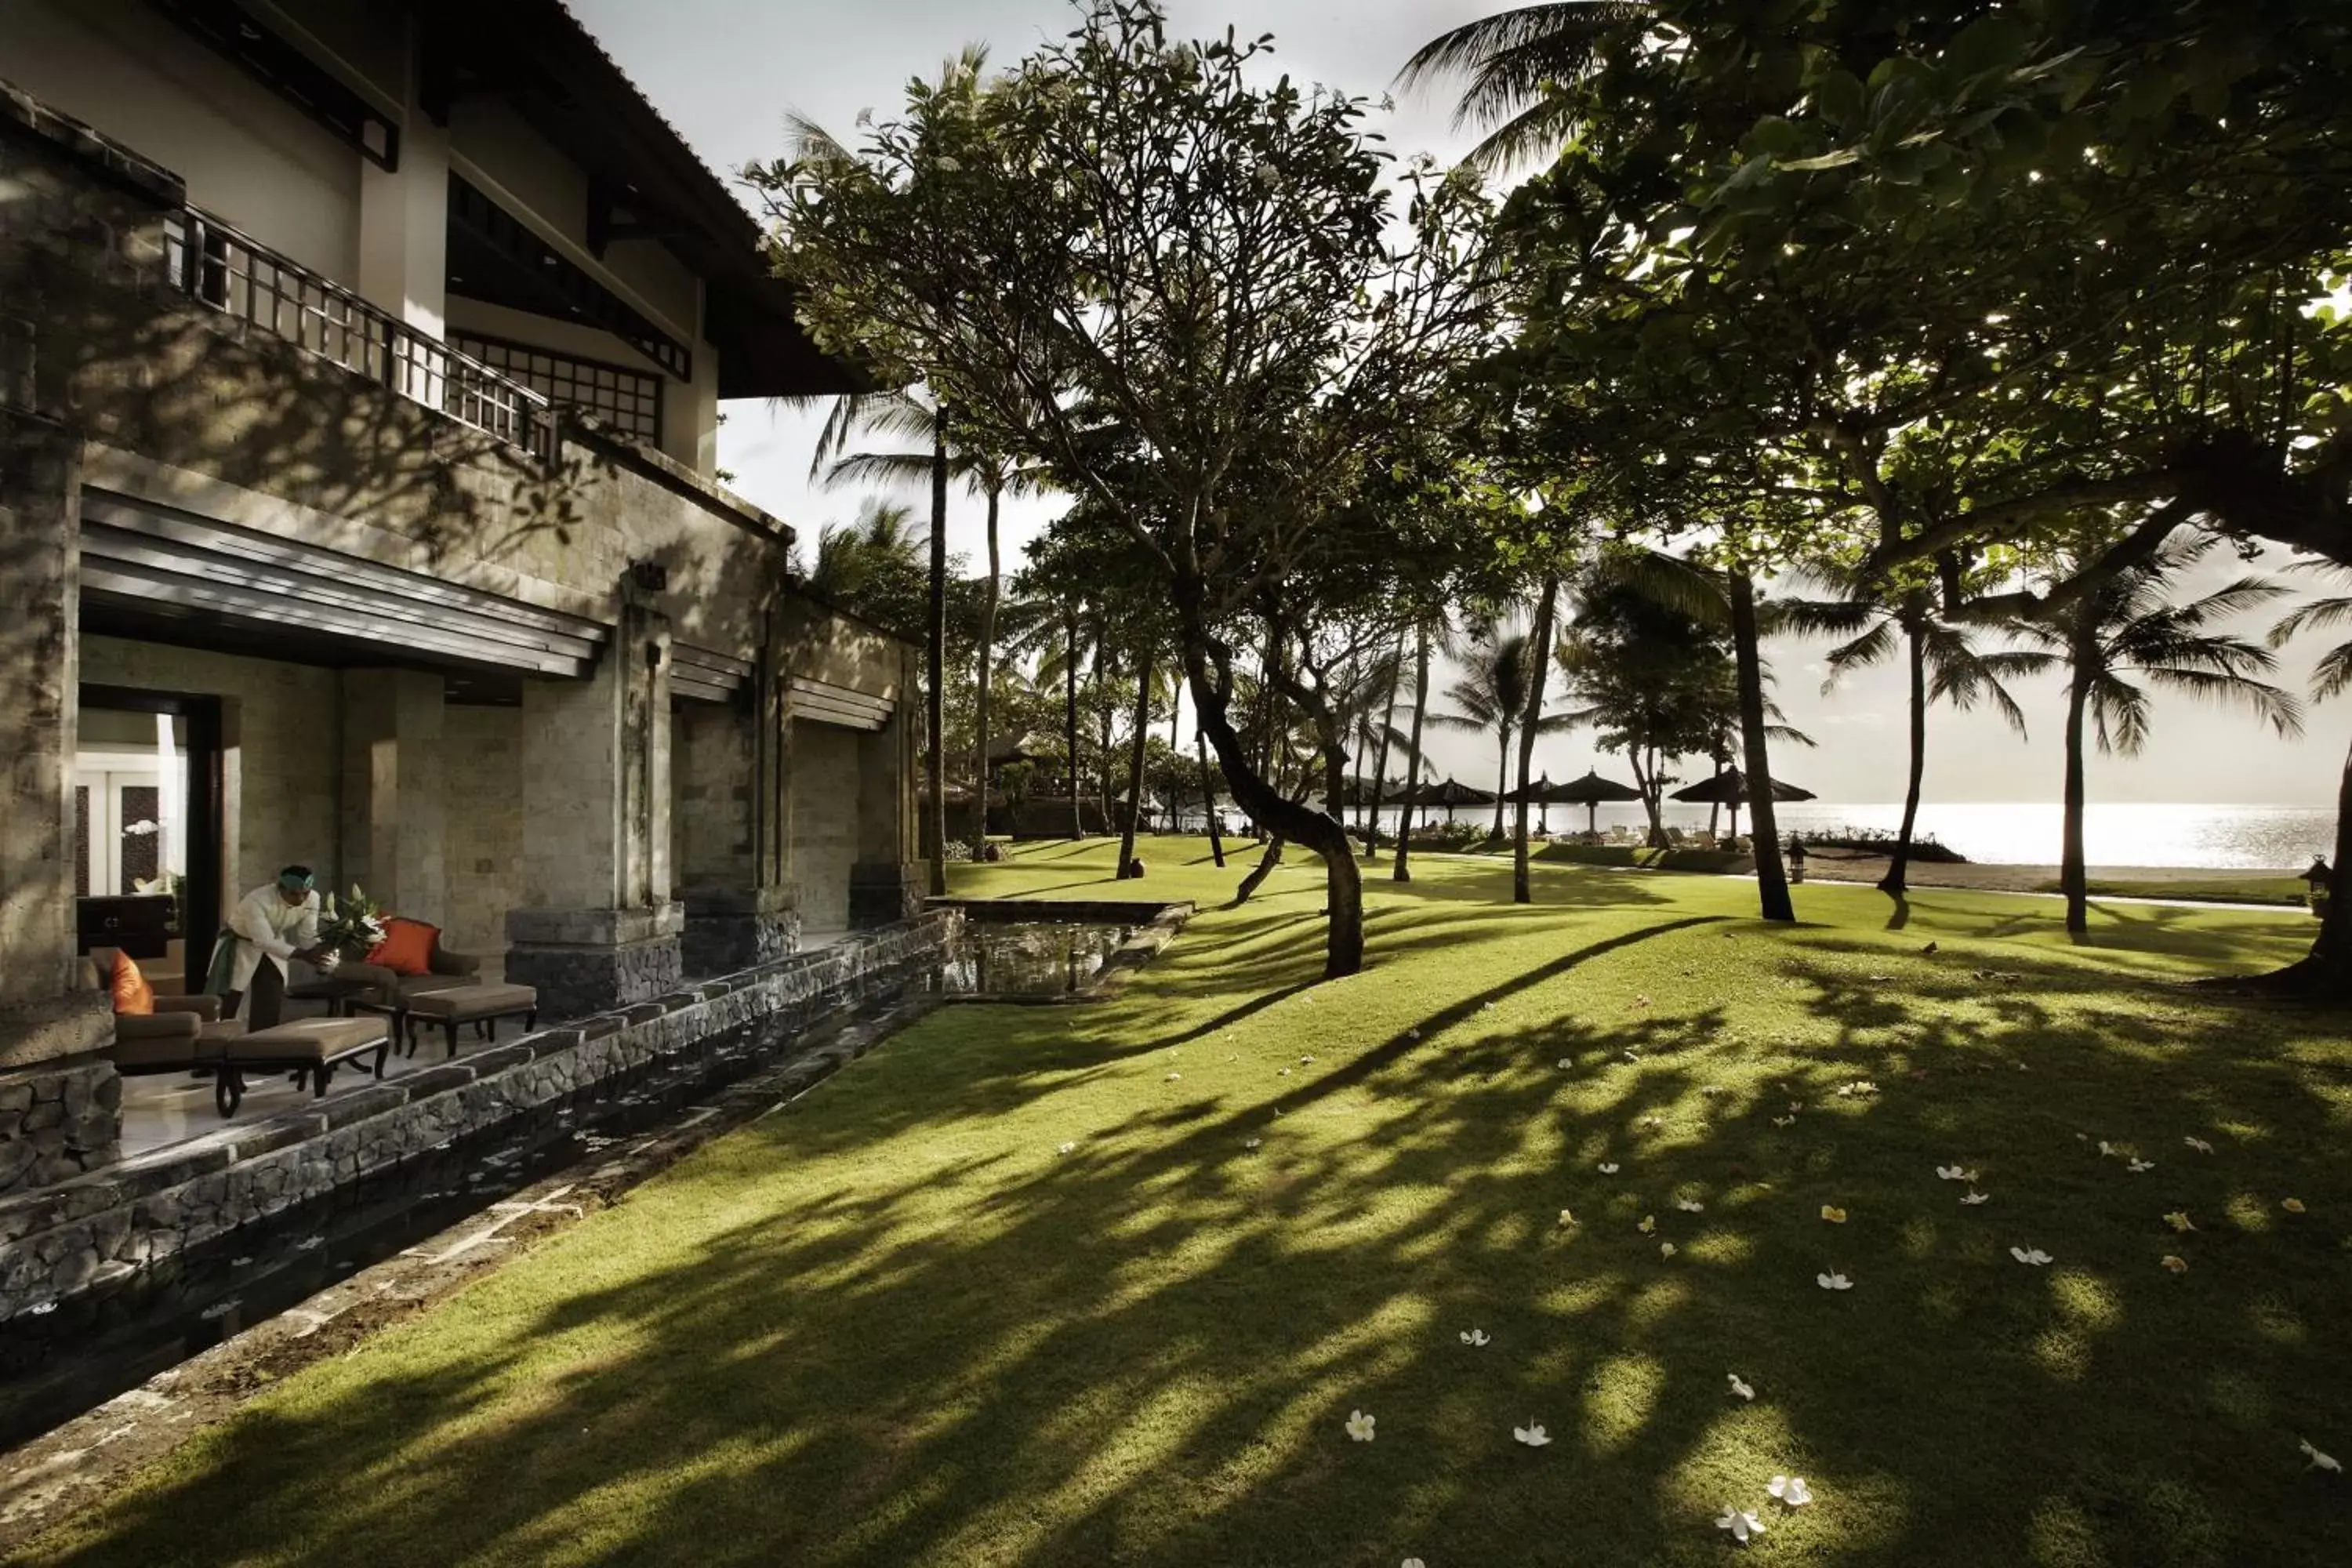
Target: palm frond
1872 648
2319 615
2274 705
2332 677
2119 712
1509 64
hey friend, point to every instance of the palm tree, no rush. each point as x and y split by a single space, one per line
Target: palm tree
1940 654
871 568
906 418
2328 966
1512 60
2124 637
1494 697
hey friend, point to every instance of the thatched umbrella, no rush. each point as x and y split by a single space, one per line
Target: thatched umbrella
1592 792
1729 788
1453 794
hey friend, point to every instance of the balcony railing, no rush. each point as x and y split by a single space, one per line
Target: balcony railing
247 281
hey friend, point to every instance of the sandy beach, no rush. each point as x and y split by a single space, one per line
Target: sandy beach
1836 866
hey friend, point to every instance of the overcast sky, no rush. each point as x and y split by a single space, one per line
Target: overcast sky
727 71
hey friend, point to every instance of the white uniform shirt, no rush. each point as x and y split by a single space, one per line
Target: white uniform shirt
270 926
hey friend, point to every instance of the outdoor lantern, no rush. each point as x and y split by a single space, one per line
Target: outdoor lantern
2319 880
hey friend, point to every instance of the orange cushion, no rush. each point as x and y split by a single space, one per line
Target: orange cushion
407 946
132 994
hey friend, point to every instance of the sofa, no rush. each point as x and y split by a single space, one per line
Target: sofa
181 1034
378 986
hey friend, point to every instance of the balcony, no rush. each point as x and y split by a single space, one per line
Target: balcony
230 273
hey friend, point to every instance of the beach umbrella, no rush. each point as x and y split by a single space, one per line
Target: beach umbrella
1543 793
1592 792
1729 788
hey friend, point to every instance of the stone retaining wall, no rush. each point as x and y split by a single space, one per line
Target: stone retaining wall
102 1226
57 1122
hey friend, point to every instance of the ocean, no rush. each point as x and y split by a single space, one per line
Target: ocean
2026 833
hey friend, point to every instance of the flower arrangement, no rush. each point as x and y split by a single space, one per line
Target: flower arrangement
351 927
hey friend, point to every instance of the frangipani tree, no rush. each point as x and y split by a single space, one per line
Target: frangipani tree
1184 291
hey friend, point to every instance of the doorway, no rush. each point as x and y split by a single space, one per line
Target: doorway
148 787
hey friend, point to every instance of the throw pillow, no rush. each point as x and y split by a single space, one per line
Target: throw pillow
132 994
406 948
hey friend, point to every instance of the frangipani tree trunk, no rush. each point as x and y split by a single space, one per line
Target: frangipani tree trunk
1772 874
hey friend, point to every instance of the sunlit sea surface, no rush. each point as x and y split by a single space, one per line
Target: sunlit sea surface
2026 832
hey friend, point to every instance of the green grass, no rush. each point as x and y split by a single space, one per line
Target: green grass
893 1325
2283 890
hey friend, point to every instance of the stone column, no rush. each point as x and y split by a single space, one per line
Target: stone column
597 928
60 1098
393 831
886 882
731 829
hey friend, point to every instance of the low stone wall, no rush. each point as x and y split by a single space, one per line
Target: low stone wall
99 1227
57 1122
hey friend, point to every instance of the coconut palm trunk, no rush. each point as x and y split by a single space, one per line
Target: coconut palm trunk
981 693
935 756
2073 877
1135 752
1403 871
1771 873
1070 719
1529 723
1898 867
1380 756
1209 800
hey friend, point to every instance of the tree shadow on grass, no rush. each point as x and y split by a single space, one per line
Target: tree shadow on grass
827 1342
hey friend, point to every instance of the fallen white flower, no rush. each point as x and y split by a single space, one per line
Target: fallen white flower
1689 1205
2107 1148
2198 1145
1791 1490
1174 1076
1783 1121
1742 1523
1475 1337
1359 1427
1532 1434
1564 1064
1252 1143
1833 1281
1068 1148
1973 1199
1739 1387
1414 1562
1608 1167
1956 1172
2136 1166
2319 1461
2032 1255
1666 1250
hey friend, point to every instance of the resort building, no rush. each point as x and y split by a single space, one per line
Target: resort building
361 374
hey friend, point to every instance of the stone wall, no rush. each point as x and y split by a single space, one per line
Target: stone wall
826 783
481 815
100 1227
57 1122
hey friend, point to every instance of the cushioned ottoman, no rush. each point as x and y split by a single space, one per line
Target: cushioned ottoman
480 1005
311 1048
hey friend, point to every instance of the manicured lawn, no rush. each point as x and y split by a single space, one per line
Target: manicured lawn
896 1325
2219 890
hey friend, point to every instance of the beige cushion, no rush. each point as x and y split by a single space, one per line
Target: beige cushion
307 1040
463 1004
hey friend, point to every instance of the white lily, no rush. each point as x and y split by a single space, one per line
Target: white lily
1476 1336
1532 1434
1973 1199
1740 1386
2319 1461
2031 1256
1791 1491
1359 1427
1832 1281
1741 1522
